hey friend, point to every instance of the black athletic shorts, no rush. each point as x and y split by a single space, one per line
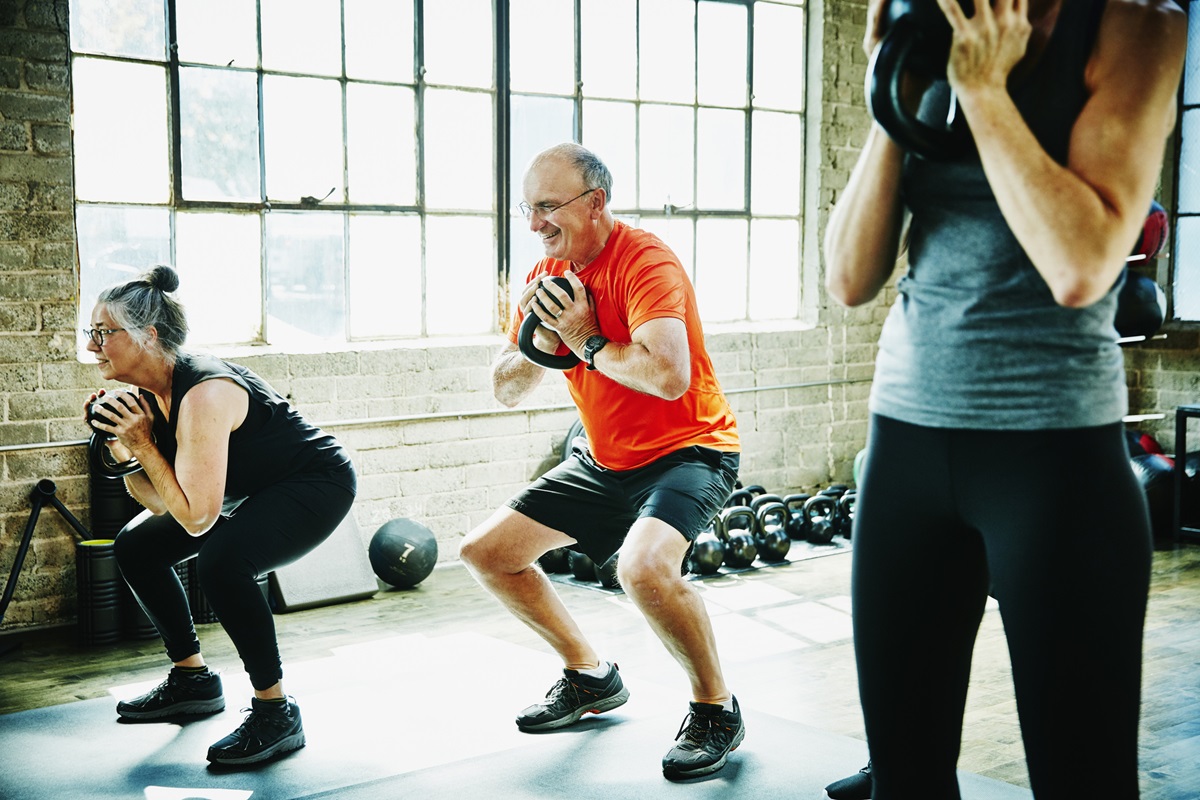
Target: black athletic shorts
596 506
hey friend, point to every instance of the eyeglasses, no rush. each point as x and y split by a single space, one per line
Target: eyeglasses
97 334
543 210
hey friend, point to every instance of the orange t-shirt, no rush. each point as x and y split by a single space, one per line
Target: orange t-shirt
637 278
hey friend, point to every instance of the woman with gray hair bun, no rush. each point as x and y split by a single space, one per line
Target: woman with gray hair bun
231 475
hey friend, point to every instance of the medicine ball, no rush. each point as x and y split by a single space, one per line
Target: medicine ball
1155 474
1141 307
403 553
1153 236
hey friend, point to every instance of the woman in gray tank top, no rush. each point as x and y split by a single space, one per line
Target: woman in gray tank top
997 366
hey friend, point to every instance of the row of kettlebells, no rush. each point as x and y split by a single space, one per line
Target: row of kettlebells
755 524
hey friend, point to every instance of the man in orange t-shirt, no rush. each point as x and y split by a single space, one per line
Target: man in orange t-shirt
660 458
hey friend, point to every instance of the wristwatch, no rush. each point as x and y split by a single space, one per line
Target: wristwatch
592 346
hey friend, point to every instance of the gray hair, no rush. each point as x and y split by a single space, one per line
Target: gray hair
592 170
146 302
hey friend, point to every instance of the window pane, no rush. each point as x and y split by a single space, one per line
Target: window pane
132 28
774 269
1189 163
721 60
460 275
610 131
309 164
116 244
609 27
542 37
667 50
221 32
721 269
120 121
302 36
666 157
382 148
778 57
459 168
777 151
219 130
219 258
379 40
385 275
1191 72
458 43
306 277
1186 296
720 150
537 123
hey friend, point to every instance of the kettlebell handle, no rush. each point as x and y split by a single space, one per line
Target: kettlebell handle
525 337
904 40
100 457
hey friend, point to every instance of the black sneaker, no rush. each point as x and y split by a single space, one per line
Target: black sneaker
707 736
270 729
180 694
574 695
857 787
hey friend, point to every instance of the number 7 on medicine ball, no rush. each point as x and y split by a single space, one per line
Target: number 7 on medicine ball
403 553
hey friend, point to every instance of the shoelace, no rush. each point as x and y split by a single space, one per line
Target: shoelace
560 688
259 719
697 727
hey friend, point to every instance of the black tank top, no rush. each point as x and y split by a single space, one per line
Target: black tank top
273 443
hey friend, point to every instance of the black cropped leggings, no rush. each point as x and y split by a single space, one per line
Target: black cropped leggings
269 530
1055 526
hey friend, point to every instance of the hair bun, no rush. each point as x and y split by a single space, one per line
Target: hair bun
163 278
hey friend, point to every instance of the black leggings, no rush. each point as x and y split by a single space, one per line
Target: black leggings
1053 524
273 528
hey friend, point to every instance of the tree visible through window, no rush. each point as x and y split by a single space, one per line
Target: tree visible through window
328 171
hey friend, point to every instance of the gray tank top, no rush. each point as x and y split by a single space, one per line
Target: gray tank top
975 339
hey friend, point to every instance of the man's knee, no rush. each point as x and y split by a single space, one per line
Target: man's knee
642 573
507 542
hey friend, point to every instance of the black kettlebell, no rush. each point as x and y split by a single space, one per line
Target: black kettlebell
529 325
556 561
606 573
735 526
99 455
916 45
762 499
582 567
771 535
797 524
708 552
845 513
820 511
739 497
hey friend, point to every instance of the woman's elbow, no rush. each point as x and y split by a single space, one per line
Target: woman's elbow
1080 288
847 292
200 525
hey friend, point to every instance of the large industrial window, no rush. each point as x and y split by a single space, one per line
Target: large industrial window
331 171
1186 258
